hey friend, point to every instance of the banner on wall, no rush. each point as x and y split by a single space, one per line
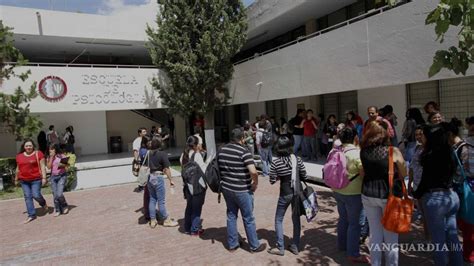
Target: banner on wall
69 89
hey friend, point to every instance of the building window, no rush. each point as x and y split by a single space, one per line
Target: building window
338 104
276 108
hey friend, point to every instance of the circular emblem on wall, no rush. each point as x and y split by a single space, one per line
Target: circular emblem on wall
52 88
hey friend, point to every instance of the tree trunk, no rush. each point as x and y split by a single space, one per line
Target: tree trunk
209 134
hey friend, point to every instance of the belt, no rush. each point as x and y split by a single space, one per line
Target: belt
439 190
157 173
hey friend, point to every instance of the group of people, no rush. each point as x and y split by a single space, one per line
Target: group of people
52 137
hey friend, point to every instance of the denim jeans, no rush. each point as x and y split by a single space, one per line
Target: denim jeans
348 228
282 205
409 150
440 210
374 208
57 186
156 188
309 144
32 190
242 201
266 157
192 214
364 224
298 139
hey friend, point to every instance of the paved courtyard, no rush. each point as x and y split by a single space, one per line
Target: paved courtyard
105 227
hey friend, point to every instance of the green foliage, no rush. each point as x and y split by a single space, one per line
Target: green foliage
193 44
15 108
460 14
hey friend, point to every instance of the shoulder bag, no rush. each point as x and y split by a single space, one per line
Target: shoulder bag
398 211
144 171
466 195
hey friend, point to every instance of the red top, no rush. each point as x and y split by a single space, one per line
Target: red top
309 129
28 166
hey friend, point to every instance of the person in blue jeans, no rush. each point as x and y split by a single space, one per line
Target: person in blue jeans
159 167
194 203
290 177
440 203
58 178
297 131
265 152
239 180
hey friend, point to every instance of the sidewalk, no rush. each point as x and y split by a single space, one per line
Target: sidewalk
105 227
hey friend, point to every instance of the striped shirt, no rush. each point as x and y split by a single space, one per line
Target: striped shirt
281 169
233 161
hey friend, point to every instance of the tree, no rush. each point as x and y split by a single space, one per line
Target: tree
15 108
193 44
458 13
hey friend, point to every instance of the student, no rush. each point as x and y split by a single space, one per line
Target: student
431 107
435 118
194 203
329 130
297 131
248 133
57 162
52 136
281 169
373 113
310 127
264 148
69 139
413 120
31 174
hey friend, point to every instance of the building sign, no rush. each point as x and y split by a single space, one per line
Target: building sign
52 88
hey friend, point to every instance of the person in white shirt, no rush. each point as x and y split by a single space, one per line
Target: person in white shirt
137 142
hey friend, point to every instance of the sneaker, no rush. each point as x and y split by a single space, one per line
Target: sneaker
29 219
361 259
234 249
293 249
198 233
170 222
56 214
153 223
66 210
260 248
276 251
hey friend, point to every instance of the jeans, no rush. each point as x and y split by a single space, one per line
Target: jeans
364 224
266 157
283 203
298 139
192 214
57 186
374 208
409 150
242 201
32 190
309 143
440 210
348 228
156 188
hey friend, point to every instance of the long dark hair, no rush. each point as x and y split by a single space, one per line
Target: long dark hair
56 148
22 148
437 147
415 114
284 146
191 144
144 143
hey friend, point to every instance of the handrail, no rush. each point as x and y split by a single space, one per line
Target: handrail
81 65
318 33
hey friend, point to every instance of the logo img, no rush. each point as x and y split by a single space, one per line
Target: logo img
52 88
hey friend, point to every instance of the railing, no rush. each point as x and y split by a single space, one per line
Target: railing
82 65
328 29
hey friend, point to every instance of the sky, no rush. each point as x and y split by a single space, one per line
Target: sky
104 7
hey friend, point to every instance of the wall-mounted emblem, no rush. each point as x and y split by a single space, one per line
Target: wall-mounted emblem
52 88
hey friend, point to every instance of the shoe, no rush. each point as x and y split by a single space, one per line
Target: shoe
29 219
293 249
361 259
45 209
170 222
66 210
153 223
198 233
276 251
260 248
234 249
56 214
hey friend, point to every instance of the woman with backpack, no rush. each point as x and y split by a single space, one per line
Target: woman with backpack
159 168
57 162
281 169
374 154
194 203
348 198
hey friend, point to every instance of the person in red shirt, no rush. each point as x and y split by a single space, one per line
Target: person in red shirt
31 174
310 127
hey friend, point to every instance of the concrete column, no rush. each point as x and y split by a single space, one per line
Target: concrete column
311 26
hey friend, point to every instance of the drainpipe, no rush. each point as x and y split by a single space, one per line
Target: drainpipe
40 25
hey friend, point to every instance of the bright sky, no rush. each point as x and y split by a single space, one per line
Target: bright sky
85 6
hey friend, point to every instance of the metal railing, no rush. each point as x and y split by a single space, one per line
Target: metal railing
37 64
328 29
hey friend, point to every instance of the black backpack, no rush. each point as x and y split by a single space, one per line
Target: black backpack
266 139
213 175
193 177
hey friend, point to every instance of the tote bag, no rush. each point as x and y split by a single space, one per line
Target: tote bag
398 211
144 171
